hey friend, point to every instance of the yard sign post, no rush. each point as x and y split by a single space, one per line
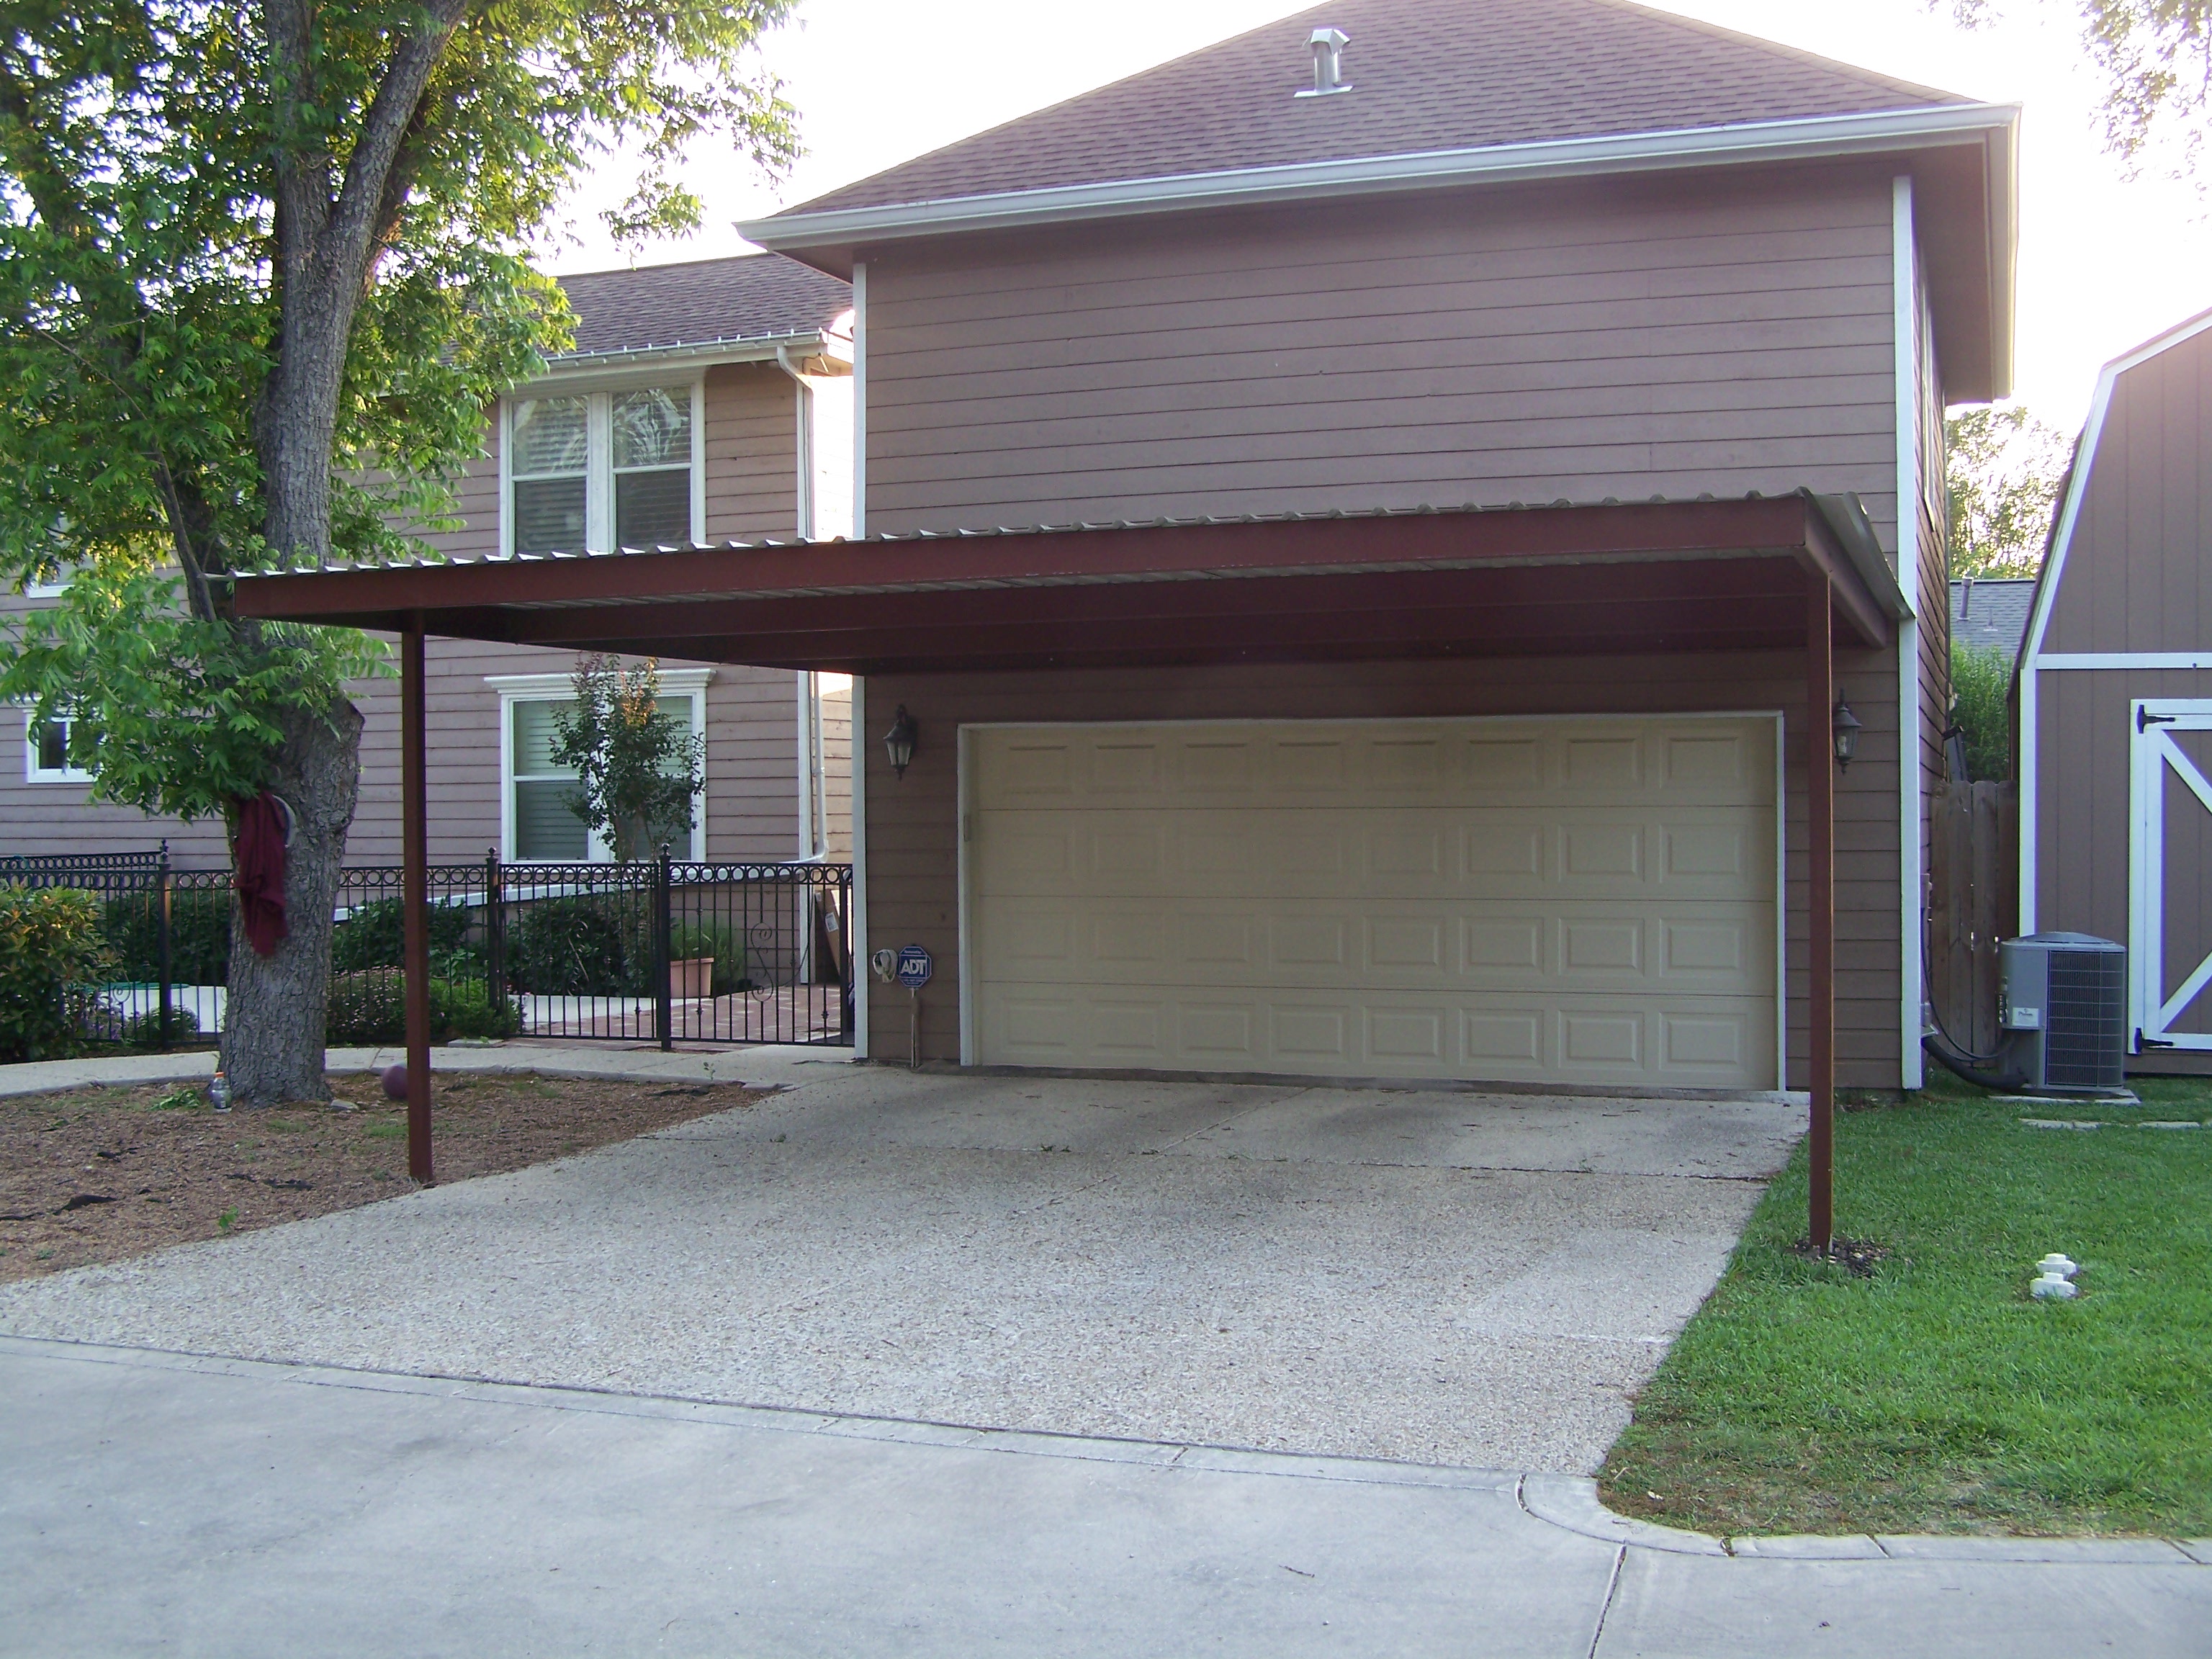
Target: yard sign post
415 894
1820 898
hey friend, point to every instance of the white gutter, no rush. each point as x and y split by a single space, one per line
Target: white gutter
1751 141
759 349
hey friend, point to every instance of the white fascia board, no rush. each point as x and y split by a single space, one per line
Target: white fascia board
1809 138
2147 661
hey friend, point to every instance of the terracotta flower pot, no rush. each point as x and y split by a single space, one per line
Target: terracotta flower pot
692 979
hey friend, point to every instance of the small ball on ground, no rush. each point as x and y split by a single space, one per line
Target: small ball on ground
395 1081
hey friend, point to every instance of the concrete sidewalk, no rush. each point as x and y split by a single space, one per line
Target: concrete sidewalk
157 1503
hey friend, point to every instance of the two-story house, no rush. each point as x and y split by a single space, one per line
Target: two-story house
1406 545
701 402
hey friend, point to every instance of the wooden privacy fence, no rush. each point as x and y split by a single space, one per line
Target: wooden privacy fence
1973 900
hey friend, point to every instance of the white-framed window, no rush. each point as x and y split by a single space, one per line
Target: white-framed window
594 470
46 752
535 823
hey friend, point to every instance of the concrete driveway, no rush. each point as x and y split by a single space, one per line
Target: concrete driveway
1479 1280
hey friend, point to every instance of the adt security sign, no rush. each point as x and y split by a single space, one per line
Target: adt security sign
915 966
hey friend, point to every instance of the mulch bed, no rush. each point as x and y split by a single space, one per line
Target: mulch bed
98 1175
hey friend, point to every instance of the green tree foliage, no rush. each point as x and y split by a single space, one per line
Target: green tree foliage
637 766
1981 681
261 270
2155 56
2003 479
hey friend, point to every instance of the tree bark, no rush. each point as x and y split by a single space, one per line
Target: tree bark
274 1026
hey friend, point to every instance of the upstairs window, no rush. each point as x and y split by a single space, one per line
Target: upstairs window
46 757
592 471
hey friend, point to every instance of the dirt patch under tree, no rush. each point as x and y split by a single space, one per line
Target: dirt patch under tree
98 1175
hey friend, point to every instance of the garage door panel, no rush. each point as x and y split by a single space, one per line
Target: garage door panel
1404 763
1688 1043
1580 900
1697 948
1468 852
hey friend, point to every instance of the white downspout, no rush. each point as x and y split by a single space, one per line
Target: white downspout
1906 278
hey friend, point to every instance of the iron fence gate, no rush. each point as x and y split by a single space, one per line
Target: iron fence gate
657 950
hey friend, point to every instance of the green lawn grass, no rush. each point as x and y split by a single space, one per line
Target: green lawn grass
1936 1395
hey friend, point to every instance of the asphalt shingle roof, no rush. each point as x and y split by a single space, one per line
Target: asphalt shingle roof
1990 613
1426 75
700 302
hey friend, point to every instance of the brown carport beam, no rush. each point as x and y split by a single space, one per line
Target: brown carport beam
499 598
415 893
1820 899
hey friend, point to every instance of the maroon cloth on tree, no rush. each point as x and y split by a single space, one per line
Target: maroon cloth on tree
259 857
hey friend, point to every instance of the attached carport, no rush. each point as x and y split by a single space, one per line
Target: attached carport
1794 573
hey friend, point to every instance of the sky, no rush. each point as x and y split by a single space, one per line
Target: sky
2105 262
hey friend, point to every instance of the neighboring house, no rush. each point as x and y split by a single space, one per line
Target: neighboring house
1364 525
703 401
1990 613
2113 696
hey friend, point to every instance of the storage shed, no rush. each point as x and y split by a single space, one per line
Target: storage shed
2114 697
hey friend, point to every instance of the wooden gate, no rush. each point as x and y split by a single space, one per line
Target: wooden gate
1973 900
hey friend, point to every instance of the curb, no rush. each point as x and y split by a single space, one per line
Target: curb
1571 1502
770 1062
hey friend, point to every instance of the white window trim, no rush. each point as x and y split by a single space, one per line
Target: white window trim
599 392
512 689
34 773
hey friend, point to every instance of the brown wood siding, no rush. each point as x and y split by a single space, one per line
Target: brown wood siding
2135 577
751 459
1624 340
752 453
2083 806
752 800
1932 592
913 824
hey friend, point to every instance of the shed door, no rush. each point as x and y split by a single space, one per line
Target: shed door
2170 874
1580 901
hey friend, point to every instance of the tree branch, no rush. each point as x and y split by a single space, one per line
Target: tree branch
365 200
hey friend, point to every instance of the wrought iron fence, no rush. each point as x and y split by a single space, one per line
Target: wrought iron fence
657 950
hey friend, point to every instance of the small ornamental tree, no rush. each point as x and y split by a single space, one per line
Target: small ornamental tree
638 767
262 267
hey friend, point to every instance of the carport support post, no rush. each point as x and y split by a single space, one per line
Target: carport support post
1820 902
415 894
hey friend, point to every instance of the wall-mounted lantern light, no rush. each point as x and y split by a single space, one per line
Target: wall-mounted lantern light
899 742
1846 726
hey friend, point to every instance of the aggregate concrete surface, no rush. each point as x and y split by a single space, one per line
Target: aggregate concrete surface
160 1504
1469 1279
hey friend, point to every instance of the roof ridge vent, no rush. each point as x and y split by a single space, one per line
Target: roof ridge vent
1328 47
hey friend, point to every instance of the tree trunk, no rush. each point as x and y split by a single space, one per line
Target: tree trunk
273 1028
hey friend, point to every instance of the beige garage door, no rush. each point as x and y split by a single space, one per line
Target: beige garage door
1579 901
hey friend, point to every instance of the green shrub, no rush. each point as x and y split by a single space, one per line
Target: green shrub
144 1030
375 936
1981 681
583 947
53 957
369 1005
199 936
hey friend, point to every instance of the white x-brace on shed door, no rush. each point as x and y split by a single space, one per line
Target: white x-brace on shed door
2170 873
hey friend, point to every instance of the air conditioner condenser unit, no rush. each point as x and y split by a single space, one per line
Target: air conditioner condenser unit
2063 1005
